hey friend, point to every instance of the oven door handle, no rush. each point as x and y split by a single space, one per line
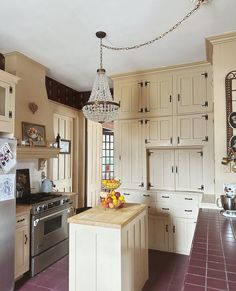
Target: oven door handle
36 221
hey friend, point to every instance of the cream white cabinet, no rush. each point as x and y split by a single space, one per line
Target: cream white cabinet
158 230
165 92
159 131
7 102
179 169
129 153
193 89
22 242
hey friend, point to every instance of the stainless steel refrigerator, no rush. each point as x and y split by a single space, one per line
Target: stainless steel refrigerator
7 213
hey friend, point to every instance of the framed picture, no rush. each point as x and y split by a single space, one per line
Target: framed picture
22 182
33 134
65 146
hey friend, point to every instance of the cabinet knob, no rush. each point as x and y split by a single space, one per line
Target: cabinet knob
167 227
140 110
10 114
146 110
141 185
205 104
173 228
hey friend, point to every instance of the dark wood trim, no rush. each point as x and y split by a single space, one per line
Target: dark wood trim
2 62
65 95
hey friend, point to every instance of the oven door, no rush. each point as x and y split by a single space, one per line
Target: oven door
48 230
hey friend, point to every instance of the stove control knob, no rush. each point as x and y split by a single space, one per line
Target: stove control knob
39 208
44 207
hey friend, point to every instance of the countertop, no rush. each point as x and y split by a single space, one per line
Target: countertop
22 209
113 218
212 262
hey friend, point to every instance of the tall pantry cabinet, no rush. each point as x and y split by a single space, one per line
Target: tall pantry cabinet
164 144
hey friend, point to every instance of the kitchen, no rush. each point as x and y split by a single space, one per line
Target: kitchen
137 151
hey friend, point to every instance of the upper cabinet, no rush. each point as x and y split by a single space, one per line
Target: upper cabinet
193 89
7 102
175 91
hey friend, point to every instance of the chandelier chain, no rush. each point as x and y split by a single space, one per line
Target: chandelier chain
101 45
197 6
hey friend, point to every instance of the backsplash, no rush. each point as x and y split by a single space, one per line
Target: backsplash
35 174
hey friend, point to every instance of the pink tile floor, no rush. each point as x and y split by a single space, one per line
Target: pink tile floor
166 273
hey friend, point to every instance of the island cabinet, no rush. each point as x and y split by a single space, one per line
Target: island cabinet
109 249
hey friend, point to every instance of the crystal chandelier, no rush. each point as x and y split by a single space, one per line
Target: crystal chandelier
100 107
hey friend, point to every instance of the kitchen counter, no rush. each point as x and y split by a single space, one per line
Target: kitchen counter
212 262
22 209
109 241
115 218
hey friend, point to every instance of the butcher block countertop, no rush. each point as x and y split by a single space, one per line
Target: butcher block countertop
23 209
113 218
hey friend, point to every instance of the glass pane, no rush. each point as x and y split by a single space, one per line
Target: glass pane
111 161
103 168
2 101
111 168
103 161
103 176
103 137
112 138
112 175
108 161
111 153
107 175
107 146
111 146
103 153
107 152
234 84
107 138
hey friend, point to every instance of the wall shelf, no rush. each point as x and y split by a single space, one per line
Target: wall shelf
26 152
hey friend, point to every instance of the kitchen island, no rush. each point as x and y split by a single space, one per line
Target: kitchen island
109 249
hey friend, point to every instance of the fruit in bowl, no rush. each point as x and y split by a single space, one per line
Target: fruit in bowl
113 200
111 184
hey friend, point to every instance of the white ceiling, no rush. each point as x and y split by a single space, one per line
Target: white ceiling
60 34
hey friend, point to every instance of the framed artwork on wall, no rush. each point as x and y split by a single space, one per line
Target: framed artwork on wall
33 134
65 146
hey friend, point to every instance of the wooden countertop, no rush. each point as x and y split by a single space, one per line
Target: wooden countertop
113 218
66 193
22 209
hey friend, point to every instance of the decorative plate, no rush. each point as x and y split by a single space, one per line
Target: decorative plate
232 119
232 142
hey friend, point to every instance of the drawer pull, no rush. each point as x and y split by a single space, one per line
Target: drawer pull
163 208
165 196
174 229
188 210
146 195
21 220
126 194
188 198
26 239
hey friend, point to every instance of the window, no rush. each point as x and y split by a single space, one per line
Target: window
107 154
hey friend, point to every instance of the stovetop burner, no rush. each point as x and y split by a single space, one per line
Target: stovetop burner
228 213
36 198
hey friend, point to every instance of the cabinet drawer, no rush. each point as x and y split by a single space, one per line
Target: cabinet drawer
164 209
186 212
187 199
22 220
165 197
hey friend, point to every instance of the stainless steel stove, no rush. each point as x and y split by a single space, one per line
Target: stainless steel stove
49 228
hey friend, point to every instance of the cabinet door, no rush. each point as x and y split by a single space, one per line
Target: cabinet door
129 148
189 169
21 251
159 96
159 131
193 90
158 232
129 95
183 231
191 129
6 108
161 169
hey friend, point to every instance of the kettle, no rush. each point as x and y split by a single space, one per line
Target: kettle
47 186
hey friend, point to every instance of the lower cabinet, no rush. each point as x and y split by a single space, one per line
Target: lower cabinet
22 245
171 234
